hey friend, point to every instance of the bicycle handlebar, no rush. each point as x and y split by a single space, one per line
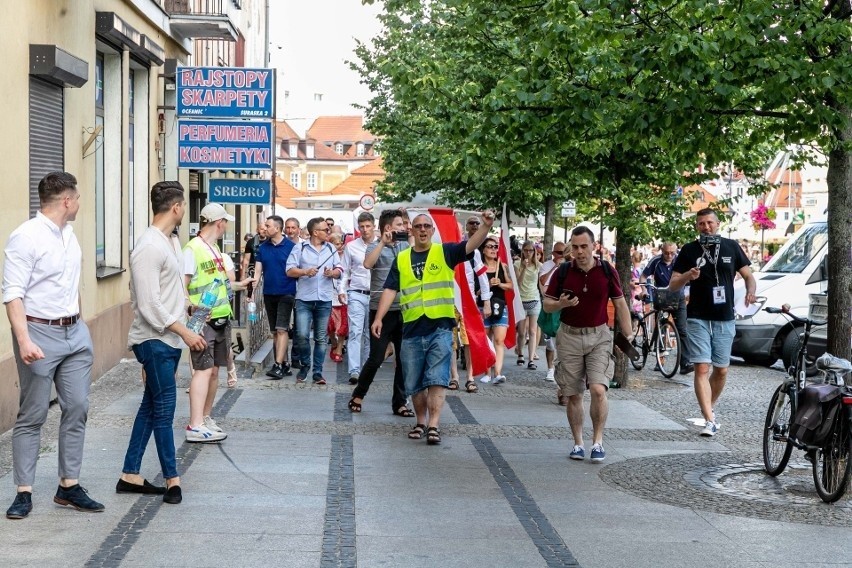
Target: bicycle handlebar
785 309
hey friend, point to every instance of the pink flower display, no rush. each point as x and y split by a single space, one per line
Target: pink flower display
762 217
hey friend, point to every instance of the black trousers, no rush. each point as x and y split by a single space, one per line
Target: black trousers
391 332
680 323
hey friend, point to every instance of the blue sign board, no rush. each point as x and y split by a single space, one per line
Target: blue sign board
225 92
252 191
225 145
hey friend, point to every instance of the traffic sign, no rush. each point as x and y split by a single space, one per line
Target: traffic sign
569 209
367 201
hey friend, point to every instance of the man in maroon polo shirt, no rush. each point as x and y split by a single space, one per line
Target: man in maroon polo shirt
584 342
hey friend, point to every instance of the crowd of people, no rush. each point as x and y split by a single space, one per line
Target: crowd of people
388 290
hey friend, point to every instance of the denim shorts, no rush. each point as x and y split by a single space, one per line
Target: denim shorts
426 360
710 341
502 322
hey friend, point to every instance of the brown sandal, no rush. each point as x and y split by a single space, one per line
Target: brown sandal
433 436
454 385
416 433
404 411
471 387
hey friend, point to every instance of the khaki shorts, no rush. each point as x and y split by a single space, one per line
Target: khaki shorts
585 358
217 352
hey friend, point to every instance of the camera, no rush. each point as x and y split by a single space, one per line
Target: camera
400 236
708 240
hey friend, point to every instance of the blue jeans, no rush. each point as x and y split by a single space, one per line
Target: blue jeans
358 342
426 360
157 411
312 315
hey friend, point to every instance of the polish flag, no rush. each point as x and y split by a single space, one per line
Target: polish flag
513 298
447 230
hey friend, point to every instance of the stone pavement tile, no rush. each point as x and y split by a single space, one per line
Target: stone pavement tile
286 515
216 488
284 404
605 550
428 550
195 547
630 449
784 542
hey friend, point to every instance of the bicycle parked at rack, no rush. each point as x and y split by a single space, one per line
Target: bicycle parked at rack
814 416
655 332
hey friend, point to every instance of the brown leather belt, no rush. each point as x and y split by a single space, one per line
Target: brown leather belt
70 320
584 330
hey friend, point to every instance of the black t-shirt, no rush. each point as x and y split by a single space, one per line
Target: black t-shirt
454 253
731 259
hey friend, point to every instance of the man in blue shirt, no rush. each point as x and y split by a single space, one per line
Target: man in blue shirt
660 269
279 290
315 263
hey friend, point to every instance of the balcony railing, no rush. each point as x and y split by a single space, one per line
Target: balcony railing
195 7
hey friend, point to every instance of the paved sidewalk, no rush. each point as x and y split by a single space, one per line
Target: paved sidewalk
301 481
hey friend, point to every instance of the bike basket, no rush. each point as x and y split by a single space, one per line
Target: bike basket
665 299
818 407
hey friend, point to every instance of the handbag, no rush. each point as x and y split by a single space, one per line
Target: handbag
549 322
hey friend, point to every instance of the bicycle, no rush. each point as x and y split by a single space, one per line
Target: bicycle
831 459
664 338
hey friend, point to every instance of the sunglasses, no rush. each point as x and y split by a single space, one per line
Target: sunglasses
326 230
559 252
492 246
473 222
422 226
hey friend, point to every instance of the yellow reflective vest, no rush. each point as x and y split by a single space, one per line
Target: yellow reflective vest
433 296
206 271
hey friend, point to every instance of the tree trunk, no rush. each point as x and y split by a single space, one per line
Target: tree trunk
839 181
549 212
623 267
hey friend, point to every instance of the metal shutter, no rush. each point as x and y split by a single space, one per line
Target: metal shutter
47 135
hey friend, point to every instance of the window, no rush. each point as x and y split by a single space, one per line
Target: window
294 149
108 164
786 215
359 149
312 181
317 97
295 179
338 148
309 151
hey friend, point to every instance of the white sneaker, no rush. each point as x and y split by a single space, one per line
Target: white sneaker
710 429
551 375
211 424
203 434
499 379
485 379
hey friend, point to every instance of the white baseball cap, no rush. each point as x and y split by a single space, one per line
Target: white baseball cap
214 212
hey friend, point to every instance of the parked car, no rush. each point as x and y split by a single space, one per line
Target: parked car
788 278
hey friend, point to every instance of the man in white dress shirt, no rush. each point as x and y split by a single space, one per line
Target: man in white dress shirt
356 286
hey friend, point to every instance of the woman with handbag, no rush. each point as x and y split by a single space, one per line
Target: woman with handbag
497 324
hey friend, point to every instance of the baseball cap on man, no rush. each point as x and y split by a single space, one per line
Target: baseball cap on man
214 212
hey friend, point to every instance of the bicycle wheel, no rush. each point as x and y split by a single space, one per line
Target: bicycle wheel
668 349
832 464
640 343
776 443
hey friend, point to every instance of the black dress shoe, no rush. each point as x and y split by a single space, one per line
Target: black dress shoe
21 506
173 495
77 497
686 369
146 488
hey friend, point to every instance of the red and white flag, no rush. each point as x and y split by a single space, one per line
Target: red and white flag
447 230
513 298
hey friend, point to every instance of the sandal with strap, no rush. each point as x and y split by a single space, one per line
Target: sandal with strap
531 366
433 436
521 362
454 385
404 411
470 386
416 433
354 406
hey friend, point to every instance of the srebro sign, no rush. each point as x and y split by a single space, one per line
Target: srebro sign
225 92
253 191
223 145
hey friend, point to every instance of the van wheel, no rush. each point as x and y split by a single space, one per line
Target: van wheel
790 349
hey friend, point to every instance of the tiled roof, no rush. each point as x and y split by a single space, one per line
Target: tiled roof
363 180
321 152
284 131
284 193
346 129
703 198
788 189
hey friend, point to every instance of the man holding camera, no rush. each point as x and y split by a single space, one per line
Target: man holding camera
710 265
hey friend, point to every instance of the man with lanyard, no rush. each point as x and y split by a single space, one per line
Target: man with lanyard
660 270
41 280
584 342
424 275
356 287
279 291
315 264
202 265
709 265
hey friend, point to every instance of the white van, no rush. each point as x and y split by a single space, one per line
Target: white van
786 279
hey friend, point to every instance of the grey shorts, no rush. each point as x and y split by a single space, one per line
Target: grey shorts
217 353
